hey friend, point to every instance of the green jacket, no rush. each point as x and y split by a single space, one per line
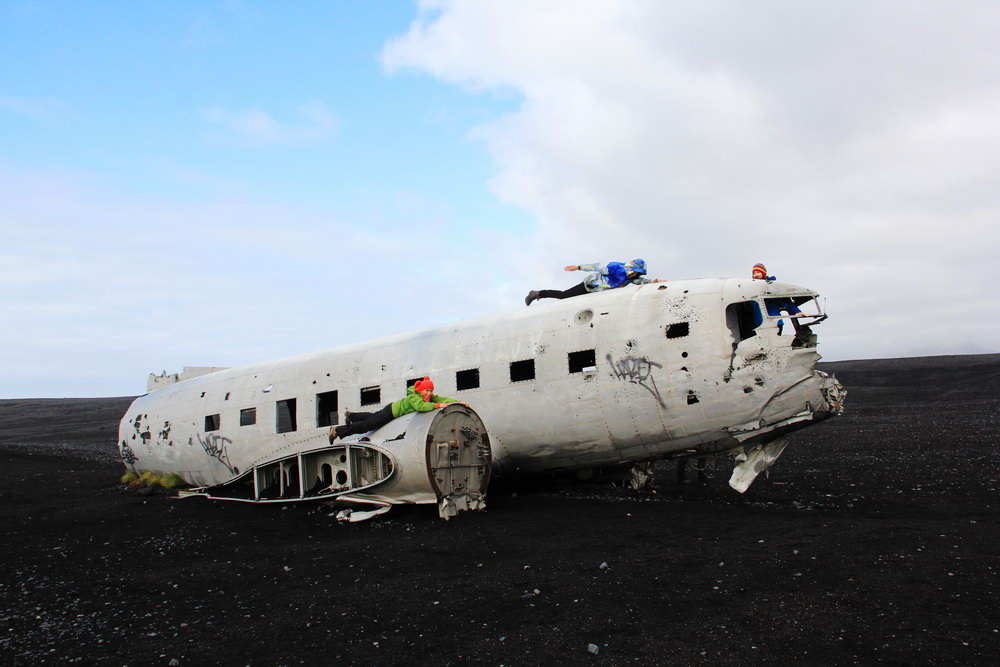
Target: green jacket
413 403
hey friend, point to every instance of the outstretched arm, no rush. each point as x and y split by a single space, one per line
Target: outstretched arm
443 401
584 267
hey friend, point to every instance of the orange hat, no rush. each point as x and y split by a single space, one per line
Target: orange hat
759 267
420 385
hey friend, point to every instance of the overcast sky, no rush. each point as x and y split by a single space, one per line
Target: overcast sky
194 183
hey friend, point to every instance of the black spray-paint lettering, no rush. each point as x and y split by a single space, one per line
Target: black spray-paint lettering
637 370
215 447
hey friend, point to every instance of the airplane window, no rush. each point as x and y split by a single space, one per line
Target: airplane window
413 381
581 360
326 409
285 417
211 422
678 330
742 318
468 379
248 416
522 370
371 395
779 306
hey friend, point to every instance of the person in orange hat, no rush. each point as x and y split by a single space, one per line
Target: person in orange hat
419 398
774 306
759 272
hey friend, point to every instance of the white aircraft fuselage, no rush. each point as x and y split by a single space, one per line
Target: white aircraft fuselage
616 377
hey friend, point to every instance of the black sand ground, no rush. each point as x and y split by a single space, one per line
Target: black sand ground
875 539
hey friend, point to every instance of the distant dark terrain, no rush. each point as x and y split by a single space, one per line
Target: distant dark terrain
875 539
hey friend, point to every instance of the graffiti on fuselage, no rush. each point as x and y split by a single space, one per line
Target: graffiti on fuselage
215 447
128 456
637 370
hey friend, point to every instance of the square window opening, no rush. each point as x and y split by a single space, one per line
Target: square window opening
285 417
371 395
582 360
326 409
521 371
467 379
248 416
742 318
211 423
678 330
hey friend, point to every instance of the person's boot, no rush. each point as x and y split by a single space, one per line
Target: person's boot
333 434
532 295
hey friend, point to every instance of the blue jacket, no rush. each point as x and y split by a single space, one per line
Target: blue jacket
612 275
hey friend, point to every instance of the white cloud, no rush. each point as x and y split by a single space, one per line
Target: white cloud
256 127
103 286
851 147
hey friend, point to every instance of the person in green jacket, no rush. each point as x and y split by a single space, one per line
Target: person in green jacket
419 398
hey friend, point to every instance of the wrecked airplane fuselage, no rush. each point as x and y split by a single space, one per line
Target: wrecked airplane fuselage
686 368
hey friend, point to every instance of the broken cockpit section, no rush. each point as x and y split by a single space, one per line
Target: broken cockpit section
747 319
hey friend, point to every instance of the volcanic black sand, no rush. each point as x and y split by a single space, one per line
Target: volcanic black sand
875 539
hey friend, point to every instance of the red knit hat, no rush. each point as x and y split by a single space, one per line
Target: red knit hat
420 385
759 267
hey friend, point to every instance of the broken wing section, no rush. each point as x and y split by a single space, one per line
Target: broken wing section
441 457
321 473
448 461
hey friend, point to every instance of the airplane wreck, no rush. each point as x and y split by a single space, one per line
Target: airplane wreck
613 379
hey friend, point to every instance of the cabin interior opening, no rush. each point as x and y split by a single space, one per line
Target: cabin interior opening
371 395
285 417
523 370
467 379
326 409
267 479
290 480
211 423
581 360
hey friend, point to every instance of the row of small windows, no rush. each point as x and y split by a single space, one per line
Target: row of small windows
327 405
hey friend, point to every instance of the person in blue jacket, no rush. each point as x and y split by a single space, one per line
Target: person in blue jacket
601 277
